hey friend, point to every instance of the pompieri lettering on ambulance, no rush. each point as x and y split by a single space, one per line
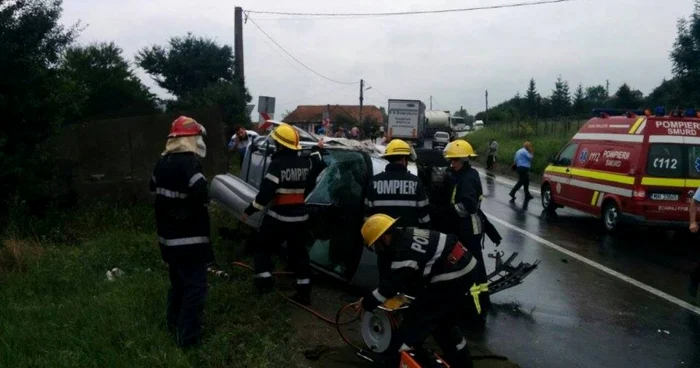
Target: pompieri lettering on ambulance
679 127
615 158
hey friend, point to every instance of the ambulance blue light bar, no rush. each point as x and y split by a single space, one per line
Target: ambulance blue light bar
691 113
660 111
616 112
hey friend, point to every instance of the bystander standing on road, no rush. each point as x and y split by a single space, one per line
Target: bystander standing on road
493 151
694 281
522 164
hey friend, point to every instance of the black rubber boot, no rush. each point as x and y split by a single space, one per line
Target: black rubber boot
303 294
264 284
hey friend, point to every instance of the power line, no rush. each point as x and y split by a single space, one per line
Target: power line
292 56
286 60
419 12
438 102
309 97
376 90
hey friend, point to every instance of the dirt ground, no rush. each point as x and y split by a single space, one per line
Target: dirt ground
314 334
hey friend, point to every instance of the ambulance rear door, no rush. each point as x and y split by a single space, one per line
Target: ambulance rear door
672 169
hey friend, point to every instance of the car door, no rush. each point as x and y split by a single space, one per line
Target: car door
583 197
336 212
235 193
560 171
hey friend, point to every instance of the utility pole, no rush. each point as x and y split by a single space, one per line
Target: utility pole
362 89
431 103
486 119
607 88
238 45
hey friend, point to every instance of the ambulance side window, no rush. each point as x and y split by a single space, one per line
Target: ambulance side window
566 156
665 160
694 161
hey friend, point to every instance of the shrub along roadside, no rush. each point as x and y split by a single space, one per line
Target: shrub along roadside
59 310
508 144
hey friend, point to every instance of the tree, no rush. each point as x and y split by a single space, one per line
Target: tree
462 113
627 98
685 57
561 99
188 65
103 85
385 116
666 94
369 125
579 105
532 99
596 96
199 73
32 101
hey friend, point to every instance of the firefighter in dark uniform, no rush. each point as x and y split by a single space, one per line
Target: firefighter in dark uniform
289 179
182 223
465 203
450 293
396 192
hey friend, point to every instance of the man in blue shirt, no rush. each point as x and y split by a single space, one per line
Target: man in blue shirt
523 161
695 276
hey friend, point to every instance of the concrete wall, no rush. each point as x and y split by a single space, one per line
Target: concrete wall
114 159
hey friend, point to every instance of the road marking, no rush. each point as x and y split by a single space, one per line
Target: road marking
503 181
598 266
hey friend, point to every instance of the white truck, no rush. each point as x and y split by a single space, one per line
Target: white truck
478 125
407 121
458 124
437 121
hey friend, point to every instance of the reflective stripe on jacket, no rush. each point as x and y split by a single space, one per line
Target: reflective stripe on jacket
418 257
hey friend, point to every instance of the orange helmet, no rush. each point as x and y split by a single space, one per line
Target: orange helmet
184 127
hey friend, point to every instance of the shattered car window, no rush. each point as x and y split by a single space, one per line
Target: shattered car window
337 203
341 183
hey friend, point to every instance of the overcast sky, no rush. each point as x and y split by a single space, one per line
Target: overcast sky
454 57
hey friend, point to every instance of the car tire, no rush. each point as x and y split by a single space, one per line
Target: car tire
611 216
547 199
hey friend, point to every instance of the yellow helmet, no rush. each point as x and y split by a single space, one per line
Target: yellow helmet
397 147
375 227
286 136
459 149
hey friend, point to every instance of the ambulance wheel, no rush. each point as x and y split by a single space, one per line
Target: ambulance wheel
611 216
547 200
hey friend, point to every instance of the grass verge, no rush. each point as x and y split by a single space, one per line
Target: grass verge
509 143
59 309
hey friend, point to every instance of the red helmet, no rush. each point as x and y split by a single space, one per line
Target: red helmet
185 126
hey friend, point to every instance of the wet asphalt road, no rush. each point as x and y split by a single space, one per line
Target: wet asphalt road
570 314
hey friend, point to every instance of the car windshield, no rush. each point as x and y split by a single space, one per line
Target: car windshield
442 135
341 182
339 194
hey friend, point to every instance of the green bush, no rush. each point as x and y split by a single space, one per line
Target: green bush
509 143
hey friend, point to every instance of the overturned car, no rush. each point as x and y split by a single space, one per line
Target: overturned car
336 205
